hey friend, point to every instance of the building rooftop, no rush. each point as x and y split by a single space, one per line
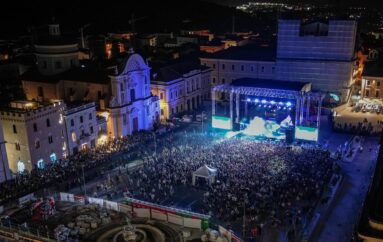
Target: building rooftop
373 68
85 73
270 84
175 71
56 40
25 106
250 52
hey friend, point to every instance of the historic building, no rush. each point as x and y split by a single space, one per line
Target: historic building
322 53
253 61
132 106
55 53
372 80
81 127
4 167
181 87
34 133
119 87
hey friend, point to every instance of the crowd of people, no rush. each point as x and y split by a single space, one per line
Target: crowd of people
272 180
68 171
364 128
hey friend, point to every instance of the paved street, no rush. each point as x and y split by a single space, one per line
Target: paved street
340 220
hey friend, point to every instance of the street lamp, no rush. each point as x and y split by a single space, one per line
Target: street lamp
155 143
83 179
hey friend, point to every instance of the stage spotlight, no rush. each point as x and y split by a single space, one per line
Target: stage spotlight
256 100
284 108
281 103
288 104
248 100
263 101
272 102
264 105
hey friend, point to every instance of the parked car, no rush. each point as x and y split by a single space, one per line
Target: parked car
187 119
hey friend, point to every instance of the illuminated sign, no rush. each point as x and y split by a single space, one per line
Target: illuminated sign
220 122
306 133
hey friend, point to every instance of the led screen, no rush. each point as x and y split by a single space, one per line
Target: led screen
306 133
264 128
220 122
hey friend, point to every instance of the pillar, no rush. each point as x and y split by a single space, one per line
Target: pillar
246 109
301 109
297 108
319 111
212 102
237 108
231 106
307 108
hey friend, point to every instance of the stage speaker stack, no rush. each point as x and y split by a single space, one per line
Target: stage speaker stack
290 135
236 127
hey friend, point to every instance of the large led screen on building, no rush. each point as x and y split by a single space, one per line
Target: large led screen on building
220 122
306 133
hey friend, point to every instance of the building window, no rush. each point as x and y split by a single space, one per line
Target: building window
99 95
37 144
182 107
81 119
378 83
273 69
17 146
233 67
74 138
50 139
34 127
252 68
14 129
242 67
162 112
213 66
121 87
91 129
40 91
48 122
213 79
44 66
368 82
161 95
124 119
90 116
223 66
377 93
367 93
58 65
72 63
223 80
71 122
263 69
132 95
171 95
82 132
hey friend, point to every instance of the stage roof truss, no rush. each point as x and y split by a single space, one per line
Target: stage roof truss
267 92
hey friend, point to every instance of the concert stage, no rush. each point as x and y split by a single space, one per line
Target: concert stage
267 108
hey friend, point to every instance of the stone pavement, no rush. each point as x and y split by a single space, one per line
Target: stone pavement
343 214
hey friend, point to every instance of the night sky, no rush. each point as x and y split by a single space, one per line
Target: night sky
162 15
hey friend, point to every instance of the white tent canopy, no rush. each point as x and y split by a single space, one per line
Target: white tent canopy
206 172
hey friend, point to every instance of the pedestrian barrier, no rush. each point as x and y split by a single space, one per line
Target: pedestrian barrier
142 209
